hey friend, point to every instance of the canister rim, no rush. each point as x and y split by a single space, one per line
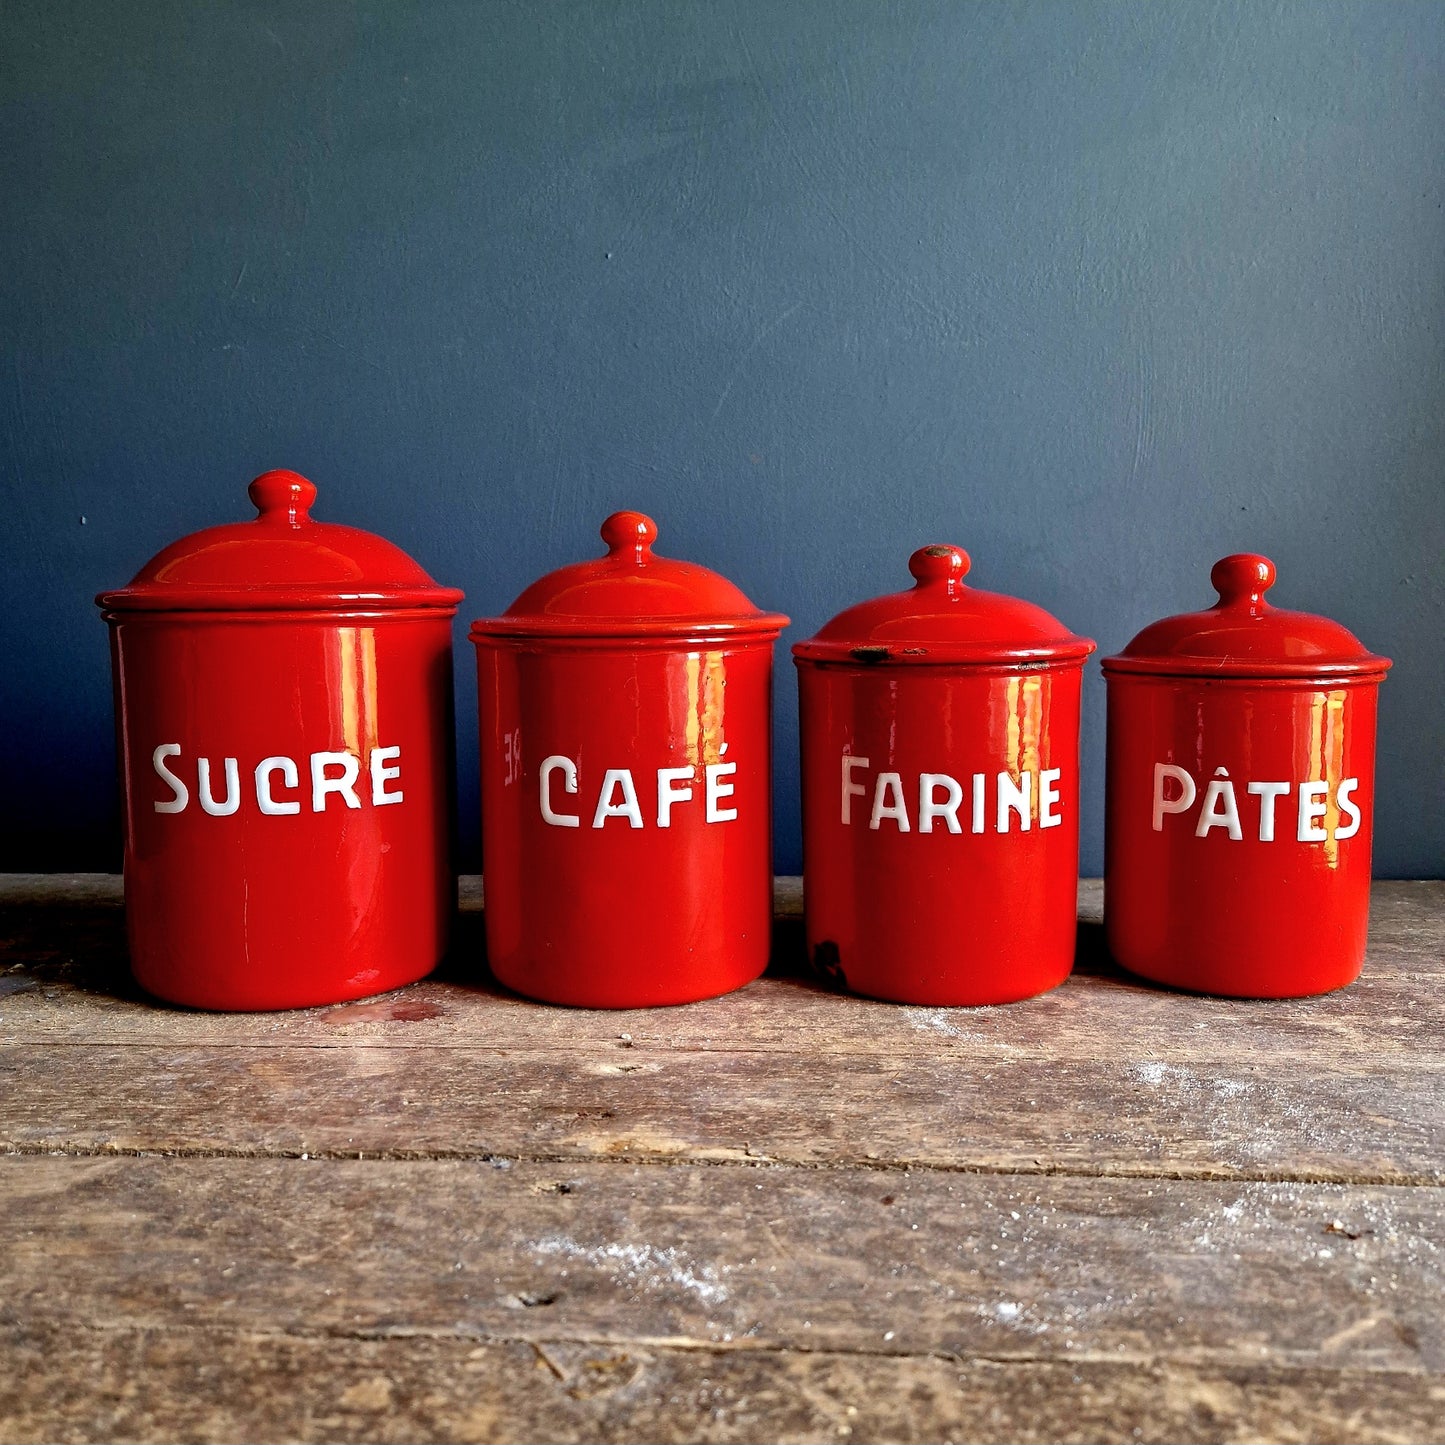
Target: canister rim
260 598
539 628
902 653
1366 668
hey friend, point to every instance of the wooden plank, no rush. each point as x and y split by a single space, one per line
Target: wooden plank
570 1267
64 979
1338 1120
961 1266
174 1385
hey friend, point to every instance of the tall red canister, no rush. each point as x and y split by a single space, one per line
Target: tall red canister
940 737
626 780
283 711
1241 759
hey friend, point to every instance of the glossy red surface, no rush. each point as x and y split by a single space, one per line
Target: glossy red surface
1242 635
302 853
281 558
633 592
942 619
626 781
940 793
1240 795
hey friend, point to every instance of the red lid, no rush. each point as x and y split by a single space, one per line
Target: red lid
1243 636
631 592
280 559
943 620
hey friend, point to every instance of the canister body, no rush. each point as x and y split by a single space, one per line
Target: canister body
940 828
626 816
1238 827
287 796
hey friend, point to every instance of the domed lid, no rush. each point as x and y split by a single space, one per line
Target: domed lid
1243 636
943 620
280 559
631 592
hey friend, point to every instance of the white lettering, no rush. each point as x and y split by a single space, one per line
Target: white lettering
264 798
1014 797
345 785
1220 790
612 780
930 808
1349 807
1267 793
181 796
1049 815
233 788
1162 773
1014 804
851 789
717 789
381 775
1221 805
891 785
569 783
667 795
1311 806
331 773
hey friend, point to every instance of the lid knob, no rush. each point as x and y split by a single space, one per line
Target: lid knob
939 563
1242 577
633 532
282 495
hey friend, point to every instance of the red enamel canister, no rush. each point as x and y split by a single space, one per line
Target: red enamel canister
1241 759
940 737
626 780
283 711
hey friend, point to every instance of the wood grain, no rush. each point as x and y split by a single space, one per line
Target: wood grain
1114 1213
1125 1115
764 1258
174 1385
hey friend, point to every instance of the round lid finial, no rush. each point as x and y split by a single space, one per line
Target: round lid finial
1243 577
939 563
283 496
626 532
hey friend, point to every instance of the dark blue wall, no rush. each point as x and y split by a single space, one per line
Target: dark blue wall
1100 292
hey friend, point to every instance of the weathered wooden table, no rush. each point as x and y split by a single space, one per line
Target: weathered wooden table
1113 1213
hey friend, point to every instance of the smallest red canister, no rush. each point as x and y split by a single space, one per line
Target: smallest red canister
1240 791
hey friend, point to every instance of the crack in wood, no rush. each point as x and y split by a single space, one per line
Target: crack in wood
690 1345
742 1159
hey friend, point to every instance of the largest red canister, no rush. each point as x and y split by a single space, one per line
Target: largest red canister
940 738
626 780
1239 795
283 711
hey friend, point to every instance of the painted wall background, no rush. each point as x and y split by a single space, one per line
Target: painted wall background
1100 292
